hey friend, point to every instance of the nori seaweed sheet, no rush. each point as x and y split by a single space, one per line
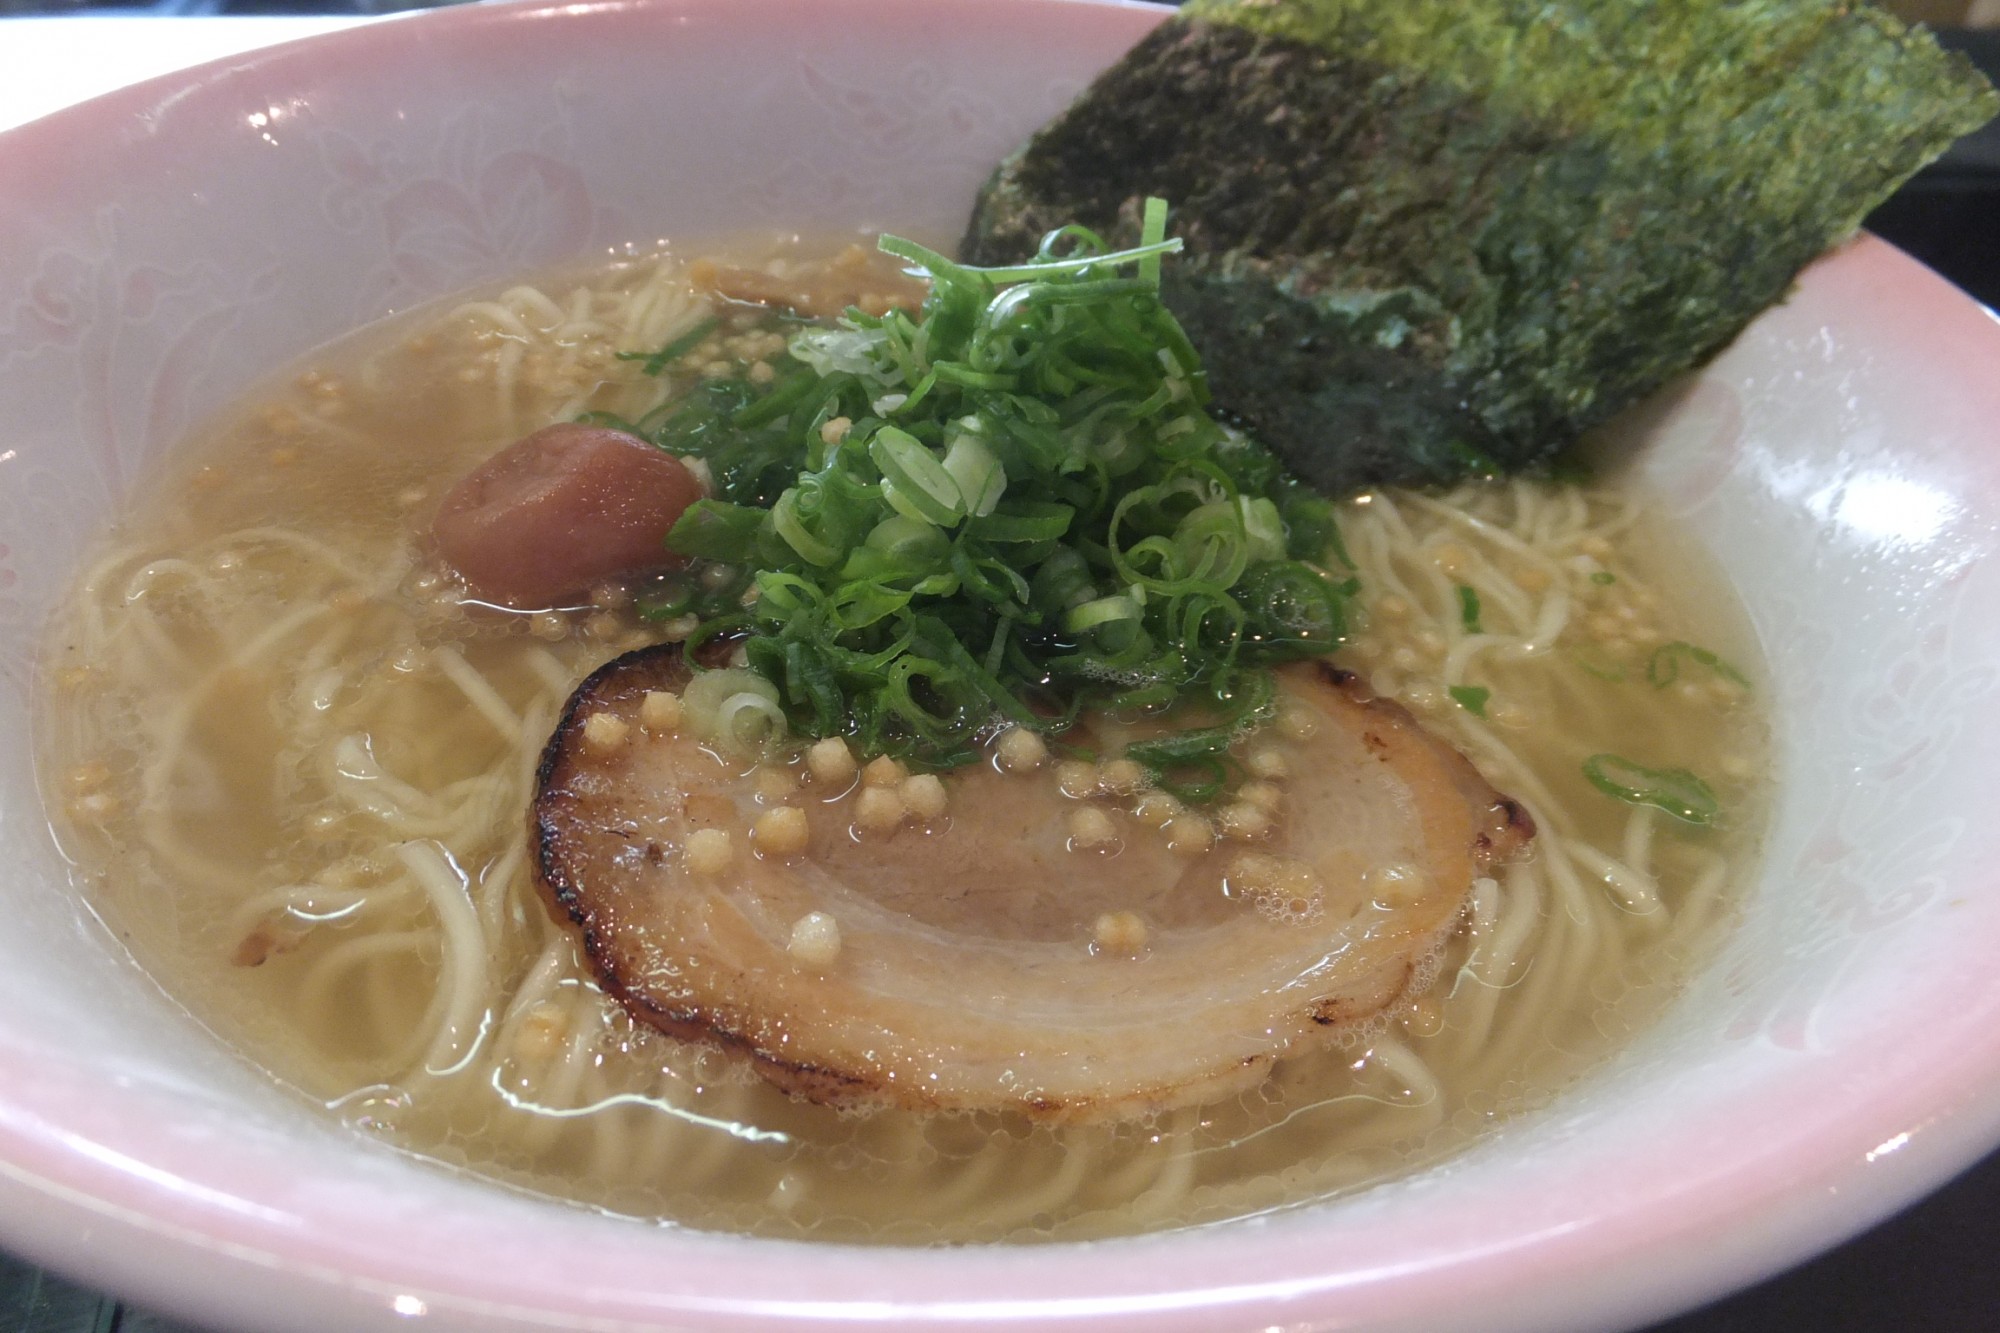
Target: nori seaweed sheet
1441 236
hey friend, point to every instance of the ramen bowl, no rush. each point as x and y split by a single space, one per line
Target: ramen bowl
170 245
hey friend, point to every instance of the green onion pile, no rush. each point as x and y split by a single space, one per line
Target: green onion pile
1008 509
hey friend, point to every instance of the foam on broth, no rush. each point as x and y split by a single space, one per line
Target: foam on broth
291 766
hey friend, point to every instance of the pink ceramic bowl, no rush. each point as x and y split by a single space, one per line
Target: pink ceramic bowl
163 248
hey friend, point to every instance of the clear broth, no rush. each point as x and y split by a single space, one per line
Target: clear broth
264 688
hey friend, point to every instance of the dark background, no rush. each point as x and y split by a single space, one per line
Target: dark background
1933 1269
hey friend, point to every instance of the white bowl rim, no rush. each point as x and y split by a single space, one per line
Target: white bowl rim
180 1239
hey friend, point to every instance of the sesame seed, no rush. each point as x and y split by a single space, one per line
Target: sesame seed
709 851
1121 777
1091 829
660 711
1120 933
1189 835
1266 796
1267 762
610 596
1020 750
924 794
879 810
831 762
781 833
605 732
835 430
1156 809
1076 779
815 940
882 771
1240 819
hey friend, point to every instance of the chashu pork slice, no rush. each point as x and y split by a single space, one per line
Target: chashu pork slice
974 970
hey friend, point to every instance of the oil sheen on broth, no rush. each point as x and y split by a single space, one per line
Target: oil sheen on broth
291 766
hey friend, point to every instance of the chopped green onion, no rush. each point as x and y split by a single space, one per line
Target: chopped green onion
1152 231
1674 790
933 263
980 479
1025 521
1472 698
1595 664
1468 608
674 350
1213 544
1293 610
672 599
746 721
735 708
1028 505
1604 578
1263 530
1103 611
1181 780
914 482
785 519
1664 666
908 539
717 530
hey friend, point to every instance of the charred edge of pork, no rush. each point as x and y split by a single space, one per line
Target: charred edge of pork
1511 827
657 666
